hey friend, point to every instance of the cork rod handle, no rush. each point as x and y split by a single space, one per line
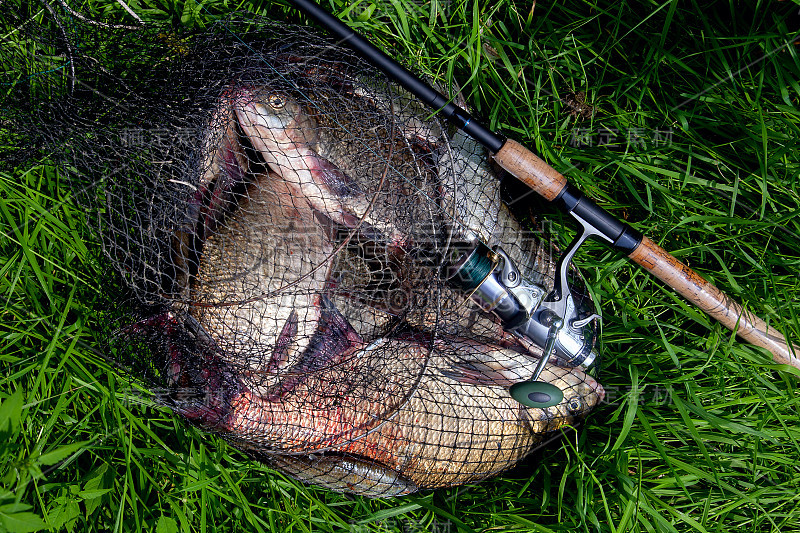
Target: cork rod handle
713 301
530 169
543 179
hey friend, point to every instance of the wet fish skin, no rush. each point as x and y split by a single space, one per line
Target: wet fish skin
471 195
388 417
417 424
223 167
256 292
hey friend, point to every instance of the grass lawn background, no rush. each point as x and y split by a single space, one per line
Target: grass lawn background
692 140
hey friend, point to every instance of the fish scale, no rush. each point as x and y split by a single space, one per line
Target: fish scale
242 295
409 189
281 213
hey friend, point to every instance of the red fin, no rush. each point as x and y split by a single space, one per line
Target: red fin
337 333
334 338
280 354
478 374
334 179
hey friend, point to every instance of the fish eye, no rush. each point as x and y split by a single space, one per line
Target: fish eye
276 101
574 405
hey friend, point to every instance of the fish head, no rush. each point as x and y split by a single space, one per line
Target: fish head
274 121
582 393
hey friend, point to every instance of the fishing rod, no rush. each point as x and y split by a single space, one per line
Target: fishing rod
469 271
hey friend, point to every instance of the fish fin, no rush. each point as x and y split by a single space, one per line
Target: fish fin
335 324
199 384
483 365
479 374
222 195
333 338
344 473
333 229
366 230
334 178
329 228
280 354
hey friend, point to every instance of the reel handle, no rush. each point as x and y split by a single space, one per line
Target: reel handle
540 394
550 184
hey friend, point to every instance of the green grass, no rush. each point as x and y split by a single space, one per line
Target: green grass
699 433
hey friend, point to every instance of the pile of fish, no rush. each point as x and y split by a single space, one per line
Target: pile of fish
308 323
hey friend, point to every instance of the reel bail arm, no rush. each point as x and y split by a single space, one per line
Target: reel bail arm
561 296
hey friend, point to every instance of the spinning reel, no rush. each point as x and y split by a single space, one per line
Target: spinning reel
551 321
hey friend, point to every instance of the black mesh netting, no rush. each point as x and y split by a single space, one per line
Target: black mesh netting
286 212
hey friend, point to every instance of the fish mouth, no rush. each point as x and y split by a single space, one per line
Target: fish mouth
594 393
582 398
600 392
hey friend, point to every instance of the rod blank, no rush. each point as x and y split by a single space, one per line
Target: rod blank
394 70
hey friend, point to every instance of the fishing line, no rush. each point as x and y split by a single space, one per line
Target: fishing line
68 44
528 312
36 74
430 202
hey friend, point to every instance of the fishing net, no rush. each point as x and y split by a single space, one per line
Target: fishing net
282 213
